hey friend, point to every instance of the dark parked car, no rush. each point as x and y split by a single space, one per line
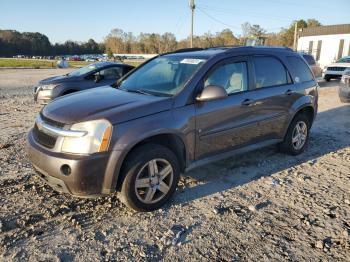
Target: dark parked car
344 87
175 112
94 75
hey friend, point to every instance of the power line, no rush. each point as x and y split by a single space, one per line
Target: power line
255 14
217 20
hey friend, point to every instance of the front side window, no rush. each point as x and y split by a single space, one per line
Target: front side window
165 75
231 76
269 71
111 73
85 70
301 72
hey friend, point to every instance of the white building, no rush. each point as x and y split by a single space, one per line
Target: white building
325 43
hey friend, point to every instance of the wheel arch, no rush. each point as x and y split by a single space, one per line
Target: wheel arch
172 141
307 109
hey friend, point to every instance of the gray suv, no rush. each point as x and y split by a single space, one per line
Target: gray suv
175 112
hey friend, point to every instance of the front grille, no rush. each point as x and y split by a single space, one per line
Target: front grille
51 122
336 68
43 138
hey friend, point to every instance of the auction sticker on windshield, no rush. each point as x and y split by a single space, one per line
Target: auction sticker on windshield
191 61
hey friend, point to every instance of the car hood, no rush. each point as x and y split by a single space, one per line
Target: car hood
57 79
104 103
339 65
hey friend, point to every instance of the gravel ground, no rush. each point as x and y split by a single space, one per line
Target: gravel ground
261 206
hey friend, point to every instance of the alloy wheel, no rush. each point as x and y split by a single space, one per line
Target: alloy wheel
299 135
154 181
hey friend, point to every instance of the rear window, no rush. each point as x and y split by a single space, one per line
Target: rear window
309 59
301 72
269 71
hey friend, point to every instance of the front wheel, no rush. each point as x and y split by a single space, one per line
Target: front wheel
327 78
297 136
151 175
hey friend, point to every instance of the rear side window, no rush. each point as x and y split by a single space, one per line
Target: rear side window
269 71
309 59
301 72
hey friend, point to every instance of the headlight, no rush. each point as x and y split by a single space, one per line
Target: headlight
97 138
47 87
325 68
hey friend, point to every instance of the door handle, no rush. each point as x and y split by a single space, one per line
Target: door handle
248 102
289 92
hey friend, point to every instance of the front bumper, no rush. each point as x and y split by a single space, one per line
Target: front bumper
333 74
87 171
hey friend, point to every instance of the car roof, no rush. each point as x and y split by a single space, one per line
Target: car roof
107 63
214 51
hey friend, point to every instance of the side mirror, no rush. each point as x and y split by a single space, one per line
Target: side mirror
212 92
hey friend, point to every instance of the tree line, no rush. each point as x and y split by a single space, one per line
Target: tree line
117 41
122 42
14 43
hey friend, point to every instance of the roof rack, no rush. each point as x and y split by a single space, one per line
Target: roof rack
272 46
223 47
226 48
183 50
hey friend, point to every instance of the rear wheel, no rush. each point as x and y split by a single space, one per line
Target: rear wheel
297 136
151 175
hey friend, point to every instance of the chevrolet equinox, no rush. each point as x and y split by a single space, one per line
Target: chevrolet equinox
175 112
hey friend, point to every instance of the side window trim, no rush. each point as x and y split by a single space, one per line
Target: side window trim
231 60
289 77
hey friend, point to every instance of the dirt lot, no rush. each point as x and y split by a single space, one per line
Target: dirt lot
259 206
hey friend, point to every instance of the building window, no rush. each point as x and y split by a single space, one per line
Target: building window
319 46
311 43
341 47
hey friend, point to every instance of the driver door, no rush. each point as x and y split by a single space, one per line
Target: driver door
227 123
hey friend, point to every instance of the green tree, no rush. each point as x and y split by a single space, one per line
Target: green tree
313 23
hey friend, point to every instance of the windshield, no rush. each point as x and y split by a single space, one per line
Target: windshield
162 76
344 60
83 70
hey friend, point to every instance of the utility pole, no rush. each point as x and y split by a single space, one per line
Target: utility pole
192 7
295 36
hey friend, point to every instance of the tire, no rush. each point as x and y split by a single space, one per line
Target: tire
327 78
145 167
293 148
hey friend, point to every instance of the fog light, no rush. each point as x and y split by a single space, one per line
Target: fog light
66 170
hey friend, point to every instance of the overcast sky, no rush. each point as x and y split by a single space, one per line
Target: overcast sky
80 20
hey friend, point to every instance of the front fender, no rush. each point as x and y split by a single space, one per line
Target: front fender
127 135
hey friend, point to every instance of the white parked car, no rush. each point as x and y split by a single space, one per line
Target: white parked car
336 70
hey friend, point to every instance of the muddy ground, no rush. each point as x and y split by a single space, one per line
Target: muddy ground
261 206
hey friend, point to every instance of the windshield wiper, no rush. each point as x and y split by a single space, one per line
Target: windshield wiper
136 91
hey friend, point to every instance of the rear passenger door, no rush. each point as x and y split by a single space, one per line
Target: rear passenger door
273 96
